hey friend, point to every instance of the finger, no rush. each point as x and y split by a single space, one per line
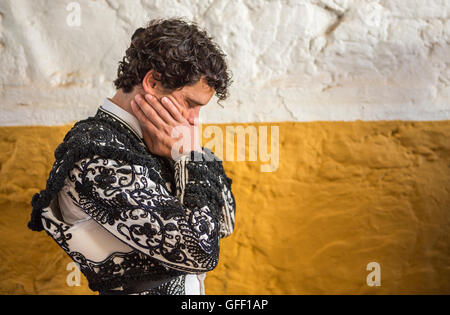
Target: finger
174 109
140 115
160 109
149 111
177 110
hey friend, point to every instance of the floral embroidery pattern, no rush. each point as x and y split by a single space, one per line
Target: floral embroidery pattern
172 215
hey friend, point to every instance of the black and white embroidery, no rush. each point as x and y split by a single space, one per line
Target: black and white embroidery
127 203
172 215
173 287
58 231
111 272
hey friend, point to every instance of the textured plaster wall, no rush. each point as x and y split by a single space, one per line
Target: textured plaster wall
346 194
292 60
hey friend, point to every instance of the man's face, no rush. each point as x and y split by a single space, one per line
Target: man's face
189 99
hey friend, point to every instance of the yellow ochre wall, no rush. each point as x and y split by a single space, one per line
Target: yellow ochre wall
345 194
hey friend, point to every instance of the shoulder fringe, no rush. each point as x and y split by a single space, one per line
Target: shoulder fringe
79 144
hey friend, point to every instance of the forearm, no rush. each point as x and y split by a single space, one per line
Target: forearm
201 181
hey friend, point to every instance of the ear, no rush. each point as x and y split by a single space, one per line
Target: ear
150 84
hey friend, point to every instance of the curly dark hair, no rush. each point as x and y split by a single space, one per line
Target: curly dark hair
179 52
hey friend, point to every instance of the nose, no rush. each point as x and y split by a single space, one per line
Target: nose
193 114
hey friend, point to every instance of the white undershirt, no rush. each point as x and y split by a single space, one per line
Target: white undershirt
85 230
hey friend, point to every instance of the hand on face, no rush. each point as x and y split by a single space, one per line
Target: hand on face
166 131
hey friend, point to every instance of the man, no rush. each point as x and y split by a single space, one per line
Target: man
137 215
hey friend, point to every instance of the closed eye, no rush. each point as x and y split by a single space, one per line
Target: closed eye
194 103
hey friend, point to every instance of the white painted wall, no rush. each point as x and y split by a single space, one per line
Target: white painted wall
292 60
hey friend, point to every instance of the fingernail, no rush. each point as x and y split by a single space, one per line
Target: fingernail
165 100
149 97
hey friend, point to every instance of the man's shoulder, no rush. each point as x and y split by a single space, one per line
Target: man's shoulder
98 136
94 137
88 130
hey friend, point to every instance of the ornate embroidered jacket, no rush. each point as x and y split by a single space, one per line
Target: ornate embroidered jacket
167 216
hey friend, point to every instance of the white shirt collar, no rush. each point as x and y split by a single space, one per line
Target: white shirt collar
122 115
